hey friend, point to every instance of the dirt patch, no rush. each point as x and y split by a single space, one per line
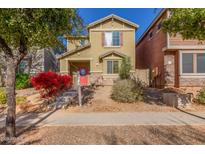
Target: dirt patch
114 135
26 92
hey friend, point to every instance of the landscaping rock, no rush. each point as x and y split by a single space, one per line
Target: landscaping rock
177 100
64 100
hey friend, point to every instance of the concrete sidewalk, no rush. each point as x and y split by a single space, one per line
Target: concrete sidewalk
63 118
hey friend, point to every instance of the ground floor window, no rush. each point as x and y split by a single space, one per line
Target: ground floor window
112 67
192 63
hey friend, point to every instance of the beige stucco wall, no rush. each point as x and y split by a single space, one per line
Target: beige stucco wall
63 66
96 49
73 44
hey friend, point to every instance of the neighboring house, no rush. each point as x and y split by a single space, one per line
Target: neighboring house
173 62
109 40
38 61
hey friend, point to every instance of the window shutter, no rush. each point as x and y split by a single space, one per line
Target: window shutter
121 38
103 38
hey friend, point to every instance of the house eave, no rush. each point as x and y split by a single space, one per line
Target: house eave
110 53
110 17
184 47
73 51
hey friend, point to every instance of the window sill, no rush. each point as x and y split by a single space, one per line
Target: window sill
111 74
192 76
112 46
158 30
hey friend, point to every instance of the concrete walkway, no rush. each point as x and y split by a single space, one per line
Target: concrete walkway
63 118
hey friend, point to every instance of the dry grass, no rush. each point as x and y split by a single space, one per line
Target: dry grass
149 134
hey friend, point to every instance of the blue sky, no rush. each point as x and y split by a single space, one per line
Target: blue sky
141 16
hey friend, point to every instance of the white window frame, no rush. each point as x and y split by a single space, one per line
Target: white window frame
112 67
106 46
195 75
158 30
150 38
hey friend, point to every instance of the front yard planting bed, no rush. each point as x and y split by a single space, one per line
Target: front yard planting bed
27 100
102 102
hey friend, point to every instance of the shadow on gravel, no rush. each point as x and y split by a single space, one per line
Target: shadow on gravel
155 135
28 118
153 96
24 129
187 135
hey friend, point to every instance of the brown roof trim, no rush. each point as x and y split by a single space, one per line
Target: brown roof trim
151 25
73 51
184 47
114 17
112 52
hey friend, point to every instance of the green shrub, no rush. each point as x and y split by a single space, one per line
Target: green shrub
201 96
127 91
2 96
22 81
19 99
125 68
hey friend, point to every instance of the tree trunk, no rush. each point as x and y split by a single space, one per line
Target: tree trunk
3 75
11 101
29 65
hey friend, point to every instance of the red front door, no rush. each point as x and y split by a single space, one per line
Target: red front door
83 76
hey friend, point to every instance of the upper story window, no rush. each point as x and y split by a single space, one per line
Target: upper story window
192 63
150 35
112 39
159 25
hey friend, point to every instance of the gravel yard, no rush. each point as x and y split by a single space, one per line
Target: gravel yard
102 102
33 102
149 134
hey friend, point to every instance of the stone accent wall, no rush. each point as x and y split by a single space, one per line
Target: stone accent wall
94 76
102 79
191 82
170 74
143 75
169 69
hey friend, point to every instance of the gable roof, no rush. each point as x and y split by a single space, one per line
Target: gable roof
113 16
73 51
111 52
151 25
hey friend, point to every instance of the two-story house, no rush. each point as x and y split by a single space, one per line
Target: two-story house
109 40
172 61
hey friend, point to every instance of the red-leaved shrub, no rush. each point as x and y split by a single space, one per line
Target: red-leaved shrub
50 83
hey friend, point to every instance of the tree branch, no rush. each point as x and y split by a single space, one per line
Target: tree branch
5 47
22 50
